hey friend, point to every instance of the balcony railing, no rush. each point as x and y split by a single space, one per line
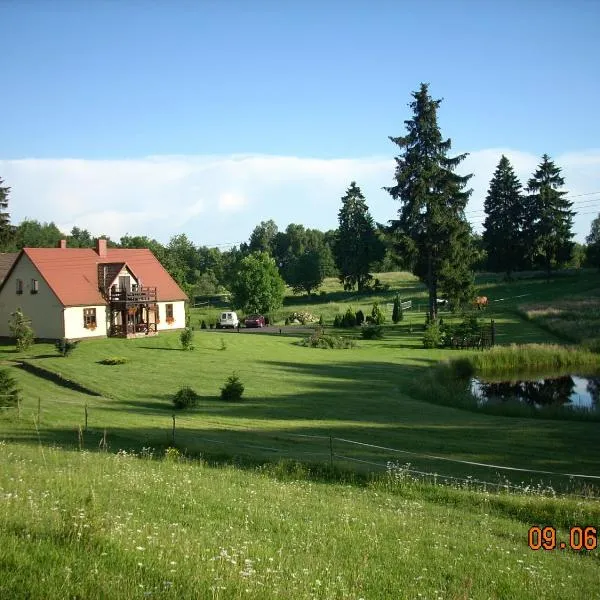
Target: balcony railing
135 296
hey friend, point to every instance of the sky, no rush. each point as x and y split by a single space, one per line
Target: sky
156 117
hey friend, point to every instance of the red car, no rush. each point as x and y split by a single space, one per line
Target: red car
254 321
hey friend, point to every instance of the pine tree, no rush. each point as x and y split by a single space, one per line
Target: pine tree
432 231
6 230
549 218
505 217
357 245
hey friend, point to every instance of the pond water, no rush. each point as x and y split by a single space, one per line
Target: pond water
577 392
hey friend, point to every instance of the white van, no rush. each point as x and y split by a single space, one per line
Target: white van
228 319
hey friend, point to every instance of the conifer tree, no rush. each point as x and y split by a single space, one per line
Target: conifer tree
357 245
432 231
593 244
549 218
505 216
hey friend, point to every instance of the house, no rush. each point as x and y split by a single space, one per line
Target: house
79 293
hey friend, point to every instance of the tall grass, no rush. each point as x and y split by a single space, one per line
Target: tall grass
79 525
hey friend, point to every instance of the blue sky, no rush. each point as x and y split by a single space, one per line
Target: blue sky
156 117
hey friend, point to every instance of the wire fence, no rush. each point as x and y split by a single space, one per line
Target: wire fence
185 432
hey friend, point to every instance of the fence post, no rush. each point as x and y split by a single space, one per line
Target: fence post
330 450
86 416
173 429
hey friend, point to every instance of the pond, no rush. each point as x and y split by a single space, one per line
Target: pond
576 392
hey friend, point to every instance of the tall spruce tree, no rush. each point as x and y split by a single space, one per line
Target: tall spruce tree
357 245
549 218
505 217
6 230
432 231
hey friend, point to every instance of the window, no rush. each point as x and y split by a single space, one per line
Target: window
169 312
89 318
35 286
19 286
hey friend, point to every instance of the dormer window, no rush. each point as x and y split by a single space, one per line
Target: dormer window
35 286
19 286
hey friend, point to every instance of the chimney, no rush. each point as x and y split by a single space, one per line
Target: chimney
62 244
101 247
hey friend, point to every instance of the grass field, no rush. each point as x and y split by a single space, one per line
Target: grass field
353 408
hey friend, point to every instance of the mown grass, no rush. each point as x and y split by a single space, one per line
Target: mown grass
82 525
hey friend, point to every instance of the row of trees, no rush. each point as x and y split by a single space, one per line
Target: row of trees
431 235
525 229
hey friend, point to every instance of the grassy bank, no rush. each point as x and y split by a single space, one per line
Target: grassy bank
75 524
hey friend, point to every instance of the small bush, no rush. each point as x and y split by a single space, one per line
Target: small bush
432 338
185 397
65 347
322 293
372 332
349 318
360 317
114 360
377 315
321 323
186 337
211 325
9 392
303 317
233 389
21 330
203 324
287 321
337 321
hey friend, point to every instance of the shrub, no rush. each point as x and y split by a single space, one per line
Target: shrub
211 325
432 338
322 293
377 315
203 324
114 360
360 317
287 321
268 320
65 347
372 332
21 330
185 397
320 340
303 317
9 392
321 321
337 321
186 337
233 389
349 318
397 313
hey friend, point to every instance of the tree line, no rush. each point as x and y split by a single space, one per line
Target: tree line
524 228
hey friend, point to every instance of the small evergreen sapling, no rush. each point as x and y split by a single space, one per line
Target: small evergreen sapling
21 330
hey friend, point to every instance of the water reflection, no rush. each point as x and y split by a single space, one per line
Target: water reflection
572 391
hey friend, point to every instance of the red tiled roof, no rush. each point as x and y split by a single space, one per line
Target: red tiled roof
72 273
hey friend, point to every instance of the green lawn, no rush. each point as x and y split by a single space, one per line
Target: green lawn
85 524
291 391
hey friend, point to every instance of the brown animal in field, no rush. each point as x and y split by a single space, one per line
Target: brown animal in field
480 302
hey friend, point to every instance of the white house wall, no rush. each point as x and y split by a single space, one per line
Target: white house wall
43 308
74 328
178 315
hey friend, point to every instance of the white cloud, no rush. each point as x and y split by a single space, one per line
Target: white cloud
219 199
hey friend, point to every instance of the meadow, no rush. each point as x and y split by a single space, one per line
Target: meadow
312 469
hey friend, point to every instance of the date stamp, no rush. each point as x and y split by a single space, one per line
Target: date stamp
547 538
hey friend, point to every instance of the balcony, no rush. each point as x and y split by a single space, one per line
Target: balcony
120 298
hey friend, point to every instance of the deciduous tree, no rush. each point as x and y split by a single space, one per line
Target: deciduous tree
257 286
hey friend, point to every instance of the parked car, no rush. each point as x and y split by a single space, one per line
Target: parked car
254 321
228 319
